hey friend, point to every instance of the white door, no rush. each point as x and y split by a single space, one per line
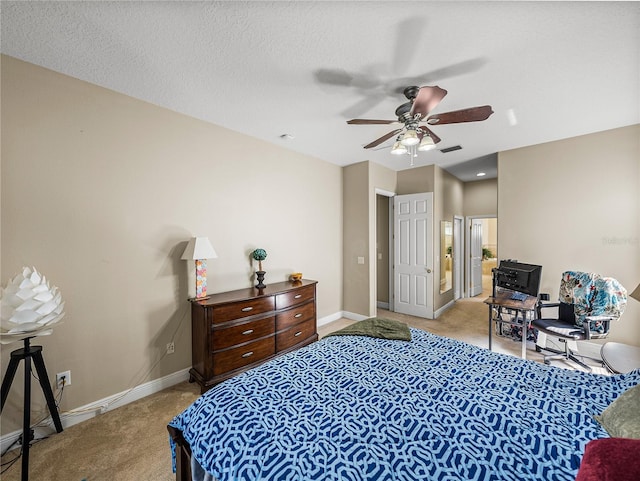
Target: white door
475 247
413 254
457 257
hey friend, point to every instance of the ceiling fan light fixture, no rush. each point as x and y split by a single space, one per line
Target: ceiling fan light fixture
426 143
398 148
409 138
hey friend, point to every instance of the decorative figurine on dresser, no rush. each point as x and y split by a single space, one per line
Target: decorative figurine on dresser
234 331
259 255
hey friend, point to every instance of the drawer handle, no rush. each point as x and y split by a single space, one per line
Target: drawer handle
298 315
248 354
247 309
248 331
298 296
297 334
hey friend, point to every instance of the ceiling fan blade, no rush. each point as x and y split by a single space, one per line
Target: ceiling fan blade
369 122
460 68
363 105
433 136
333 76
383 138
426 100
366 80
408 35
473 114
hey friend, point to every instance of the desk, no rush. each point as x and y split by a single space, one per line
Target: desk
620 358
503 300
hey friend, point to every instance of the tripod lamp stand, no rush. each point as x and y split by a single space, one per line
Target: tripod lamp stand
30 307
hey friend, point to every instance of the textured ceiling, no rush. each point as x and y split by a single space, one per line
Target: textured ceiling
550 70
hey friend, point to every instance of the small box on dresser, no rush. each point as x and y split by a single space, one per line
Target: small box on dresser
238 330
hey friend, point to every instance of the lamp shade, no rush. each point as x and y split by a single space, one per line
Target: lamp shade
426 143
398 148
409 138
30 307
199 248
636 293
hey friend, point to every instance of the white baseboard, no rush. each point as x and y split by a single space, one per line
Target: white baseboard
353 316
383 305
443 308
339 315
327 319
91 410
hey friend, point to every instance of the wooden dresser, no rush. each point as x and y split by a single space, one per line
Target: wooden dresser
238 330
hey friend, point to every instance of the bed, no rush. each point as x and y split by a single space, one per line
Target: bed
364 408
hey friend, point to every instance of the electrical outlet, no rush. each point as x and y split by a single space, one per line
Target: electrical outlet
171 347
66 375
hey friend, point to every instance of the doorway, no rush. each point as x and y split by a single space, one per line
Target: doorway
384 249
413 254
384 255
482 246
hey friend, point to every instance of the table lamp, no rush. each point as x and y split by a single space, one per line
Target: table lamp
200 249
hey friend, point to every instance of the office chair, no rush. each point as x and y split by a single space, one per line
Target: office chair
587 305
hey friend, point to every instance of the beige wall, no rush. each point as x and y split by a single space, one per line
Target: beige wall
356 238
360 182
481 197
101 193
416 180
574 204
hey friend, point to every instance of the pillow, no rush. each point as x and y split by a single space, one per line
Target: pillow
610 459
376 327
621 419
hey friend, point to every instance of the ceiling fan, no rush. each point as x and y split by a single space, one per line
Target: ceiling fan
414 134
373 83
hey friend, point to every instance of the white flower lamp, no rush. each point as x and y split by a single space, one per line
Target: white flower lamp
200 249
30 307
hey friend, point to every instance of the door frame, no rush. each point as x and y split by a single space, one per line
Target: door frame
459 257
390 195
467 254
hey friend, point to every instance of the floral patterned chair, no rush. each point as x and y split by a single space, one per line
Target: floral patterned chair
587 304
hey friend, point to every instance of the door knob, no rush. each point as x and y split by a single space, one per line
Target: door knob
428 271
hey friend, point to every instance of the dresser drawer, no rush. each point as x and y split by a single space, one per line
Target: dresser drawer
297 296
231 359
295 315
296 334
241 333
237 310
238 330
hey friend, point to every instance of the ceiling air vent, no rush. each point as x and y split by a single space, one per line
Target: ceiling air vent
451 149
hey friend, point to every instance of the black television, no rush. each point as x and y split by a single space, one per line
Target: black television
518 276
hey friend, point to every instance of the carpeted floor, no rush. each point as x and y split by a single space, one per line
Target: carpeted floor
128 443
131 442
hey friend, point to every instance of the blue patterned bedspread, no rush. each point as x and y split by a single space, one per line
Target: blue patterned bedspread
359 408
